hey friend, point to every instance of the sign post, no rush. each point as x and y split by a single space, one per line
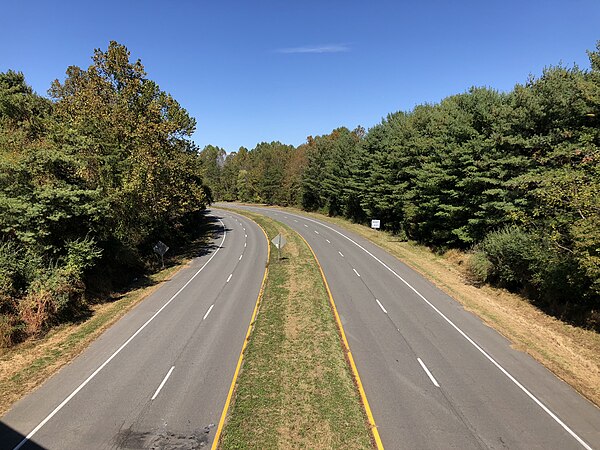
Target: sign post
279 241
160 248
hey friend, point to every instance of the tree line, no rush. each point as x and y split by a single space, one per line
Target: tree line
511 177
90 179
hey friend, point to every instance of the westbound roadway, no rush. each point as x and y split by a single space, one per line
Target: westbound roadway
159 377
435 376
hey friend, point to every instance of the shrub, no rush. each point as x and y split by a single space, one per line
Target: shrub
12 329
504 258
57 296
81 255
479 267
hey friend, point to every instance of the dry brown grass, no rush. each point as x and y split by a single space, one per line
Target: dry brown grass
572 353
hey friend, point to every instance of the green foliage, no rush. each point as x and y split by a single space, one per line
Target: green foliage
329 161
87 183
212 160
451 174
505 258
81 255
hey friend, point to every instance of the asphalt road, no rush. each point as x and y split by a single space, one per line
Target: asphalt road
160 376
435 376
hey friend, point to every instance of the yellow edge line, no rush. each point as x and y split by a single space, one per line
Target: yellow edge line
361 390
217 437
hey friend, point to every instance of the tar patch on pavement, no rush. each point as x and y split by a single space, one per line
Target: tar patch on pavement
163 439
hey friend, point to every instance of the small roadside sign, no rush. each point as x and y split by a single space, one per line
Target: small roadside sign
376 224
279 241
160 248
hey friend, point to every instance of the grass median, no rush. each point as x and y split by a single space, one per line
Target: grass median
295 389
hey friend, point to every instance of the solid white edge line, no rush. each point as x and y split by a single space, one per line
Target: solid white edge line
163 383
433 380
208 312
229 278
463 334
111 357
381 306
356 272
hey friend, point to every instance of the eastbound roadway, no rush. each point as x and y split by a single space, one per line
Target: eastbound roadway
435 376
159 377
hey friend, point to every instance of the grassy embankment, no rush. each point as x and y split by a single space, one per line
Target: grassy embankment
572 353
27 365
295 389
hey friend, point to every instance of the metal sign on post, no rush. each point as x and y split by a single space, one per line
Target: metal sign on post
279 241
376 224
161 248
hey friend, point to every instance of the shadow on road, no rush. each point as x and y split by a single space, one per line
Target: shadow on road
10 438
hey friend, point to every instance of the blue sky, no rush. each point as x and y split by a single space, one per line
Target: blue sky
252 71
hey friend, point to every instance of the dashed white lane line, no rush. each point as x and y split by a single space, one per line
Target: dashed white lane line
229 278
341 254
328 241
464 335
306 225
316 232
245 243
433 380
295 221
208 312
111 357
381 306
356 272
240 258
245 235
163 383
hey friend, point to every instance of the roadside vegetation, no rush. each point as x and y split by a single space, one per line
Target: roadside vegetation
512 177
26 365
295 389
90 180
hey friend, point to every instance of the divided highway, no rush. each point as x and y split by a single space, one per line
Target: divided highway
435 376
160 376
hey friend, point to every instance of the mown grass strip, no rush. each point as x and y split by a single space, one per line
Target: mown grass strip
348 352
295 389
217 437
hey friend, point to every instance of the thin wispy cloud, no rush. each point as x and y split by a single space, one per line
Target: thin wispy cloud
330 48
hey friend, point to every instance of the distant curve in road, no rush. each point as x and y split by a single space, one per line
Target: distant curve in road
436 377
159 377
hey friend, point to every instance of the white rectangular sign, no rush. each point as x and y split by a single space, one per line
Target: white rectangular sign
376 223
